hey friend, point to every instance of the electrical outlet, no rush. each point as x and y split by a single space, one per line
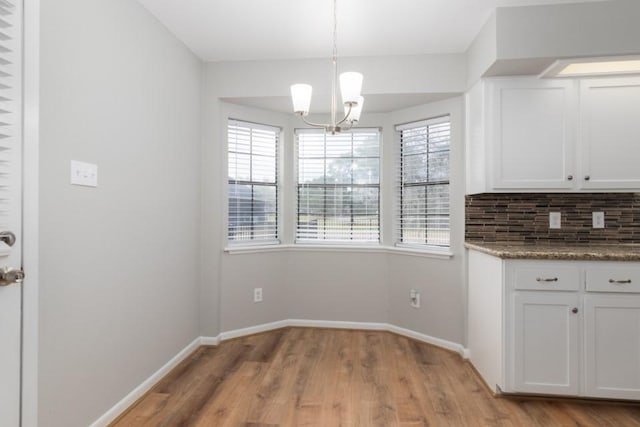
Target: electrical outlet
257 295
414 298
598 219
85 174
555 220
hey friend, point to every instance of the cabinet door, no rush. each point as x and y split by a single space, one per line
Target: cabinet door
612 343
545 342
532 132
610 133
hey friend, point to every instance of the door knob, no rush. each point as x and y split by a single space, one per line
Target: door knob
575 310
9 276
8 237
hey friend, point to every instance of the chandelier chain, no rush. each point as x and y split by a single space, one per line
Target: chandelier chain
335 64
335 30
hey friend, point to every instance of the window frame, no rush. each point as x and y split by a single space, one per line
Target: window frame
296 188
400 186
277 185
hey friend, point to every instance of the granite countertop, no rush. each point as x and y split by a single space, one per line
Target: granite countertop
557 251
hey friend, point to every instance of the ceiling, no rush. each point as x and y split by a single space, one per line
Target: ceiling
231 30
238 30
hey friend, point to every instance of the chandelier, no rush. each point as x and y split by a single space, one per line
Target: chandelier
350 87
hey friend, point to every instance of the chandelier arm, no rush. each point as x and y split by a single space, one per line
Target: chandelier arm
348 126
315 125
347 114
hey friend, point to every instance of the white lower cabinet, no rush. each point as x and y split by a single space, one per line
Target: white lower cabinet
545 357
612 346
568 328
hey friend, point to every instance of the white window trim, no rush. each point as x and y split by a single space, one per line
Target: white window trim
225 180
287 198
301 247
321 244
397 184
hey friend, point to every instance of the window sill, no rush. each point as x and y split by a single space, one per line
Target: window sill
428 252
255 248
300 247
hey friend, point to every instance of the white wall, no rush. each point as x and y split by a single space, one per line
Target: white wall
441 282
566 30
311 284
526 40
320 284
119 263
337 285
483 51
211 220
383 75
241 273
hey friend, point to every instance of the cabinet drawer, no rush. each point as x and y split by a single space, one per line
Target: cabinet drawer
616 279
546 278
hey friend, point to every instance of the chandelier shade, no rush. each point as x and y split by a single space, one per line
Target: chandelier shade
350 86
301 97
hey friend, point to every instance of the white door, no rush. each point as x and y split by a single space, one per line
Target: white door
545 342
10 207
612 343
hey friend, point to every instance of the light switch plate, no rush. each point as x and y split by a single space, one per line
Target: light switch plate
85 174
598 219
555 220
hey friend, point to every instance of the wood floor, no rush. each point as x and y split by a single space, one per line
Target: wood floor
319 377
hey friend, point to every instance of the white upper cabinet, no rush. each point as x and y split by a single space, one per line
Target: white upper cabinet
610 133
532 134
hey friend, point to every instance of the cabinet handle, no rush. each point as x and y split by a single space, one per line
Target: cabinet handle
587 178
540 279
574 310
570 178
619 282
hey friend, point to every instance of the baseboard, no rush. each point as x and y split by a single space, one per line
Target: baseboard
438 342
253 330
146 385
333 324
210 340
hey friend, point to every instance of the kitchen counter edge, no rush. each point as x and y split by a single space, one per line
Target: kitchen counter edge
558 252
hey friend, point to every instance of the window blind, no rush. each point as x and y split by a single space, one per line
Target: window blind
423 177
253 182
11 104
338 188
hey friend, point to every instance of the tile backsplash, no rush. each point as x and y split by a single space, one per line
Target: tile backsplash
524 217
